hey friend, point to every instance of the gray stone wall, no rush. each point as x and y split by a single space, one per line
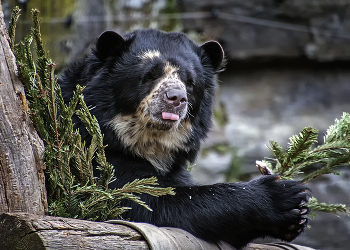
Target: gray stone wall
265 104
317 29
288 68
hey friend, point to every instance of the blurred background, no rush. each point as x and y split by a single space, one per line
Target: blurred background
288 68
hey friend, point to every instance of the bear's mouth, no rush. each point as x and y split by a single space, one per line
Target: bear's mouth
170 116
166 105
166 120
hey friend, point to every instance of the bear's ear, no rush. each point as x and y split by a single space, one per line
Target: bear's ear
215 53
109 44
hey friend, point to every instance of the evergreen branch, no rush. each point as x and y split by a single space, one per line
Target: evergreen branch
340 130
91 123
37 34
298 146
37 79
279 153
301 153
328 208
138 186
42 60
317 173
12 26
53 106
335 146
147 186
27 42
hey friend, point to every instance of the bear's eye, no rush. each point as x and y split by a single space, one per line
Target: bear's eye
152 75
190 82
189 78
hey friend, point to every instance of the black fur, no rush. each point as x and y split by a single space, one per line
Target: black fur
118 79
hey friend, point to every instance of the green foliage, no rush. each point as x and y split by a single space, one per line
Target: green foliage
171 10
234 172
313 204
291 161
220 114
13 22
73 191
302 152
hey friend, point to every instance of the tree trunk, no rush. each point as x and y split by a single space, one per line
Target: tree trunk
22 181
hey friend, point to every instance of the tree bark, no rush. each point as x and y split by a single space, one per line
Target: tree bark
22 181
36 232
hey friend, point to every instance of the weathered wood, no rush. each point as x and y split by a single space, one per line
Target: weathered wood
37 232
22 181
28 231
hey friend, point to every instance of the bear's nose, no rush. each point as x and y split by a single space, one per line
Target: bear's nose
176 97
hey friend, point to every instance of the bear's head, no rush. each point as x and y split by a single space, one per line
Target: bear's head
154 90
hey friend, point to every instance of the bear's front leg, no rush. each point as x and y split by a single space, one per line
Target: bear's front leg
233 212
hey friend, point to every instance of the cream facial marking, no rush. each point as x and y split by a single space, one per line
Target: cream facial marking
154 145
149 54
143 132
170 70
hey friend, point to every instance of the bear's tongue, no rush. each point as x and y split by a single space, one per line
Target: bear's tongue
170 116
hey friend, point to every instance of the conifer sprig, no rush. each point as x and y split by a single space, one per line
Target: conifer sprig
313 204
12 27
73 191
302 152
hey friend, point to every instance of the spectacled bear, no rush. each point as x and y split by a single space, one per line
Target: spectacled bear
152 93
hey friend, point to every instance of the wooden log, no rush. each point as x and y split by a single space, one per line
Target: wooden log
37 232
22 181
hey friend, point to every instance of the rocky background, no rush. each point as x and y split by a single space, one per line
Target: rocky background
288 67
